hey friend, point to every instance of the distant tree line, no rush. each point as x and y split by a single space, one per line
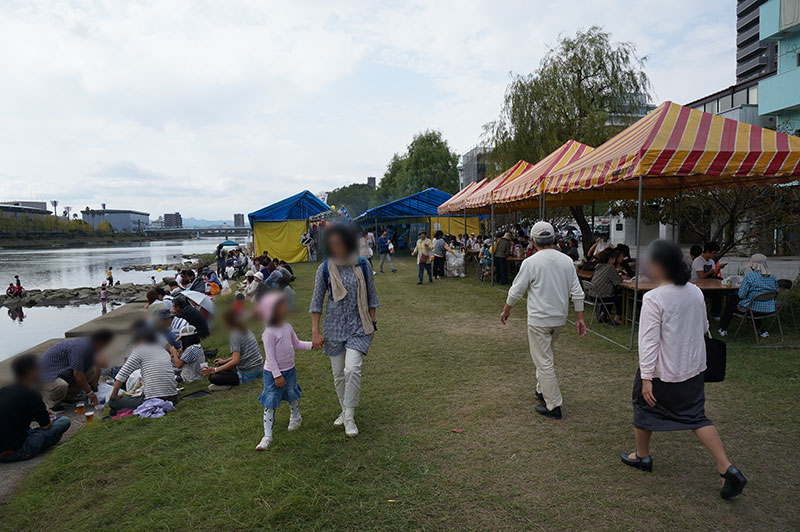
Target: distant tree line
27 224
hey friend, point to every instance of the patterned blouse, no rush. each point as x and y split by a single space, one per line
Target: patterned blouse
342 328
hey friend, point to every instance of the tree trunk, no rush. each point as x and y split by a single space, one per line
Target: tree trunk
587 236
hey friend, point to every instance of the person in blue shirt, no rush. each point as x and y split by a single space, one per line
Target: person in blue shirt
759 280
384 243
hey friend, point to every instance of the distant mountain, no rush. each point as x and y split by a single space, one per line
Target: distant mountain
199 222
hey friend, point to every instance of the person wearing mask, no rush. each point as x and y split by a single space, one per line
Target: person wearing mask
549 278
668 390
72 367
759 280
423 251
383 249
502 251
350 316
440 249
181 308
21 404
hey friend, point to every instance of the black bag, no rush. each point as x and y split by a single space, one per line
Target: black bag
716 357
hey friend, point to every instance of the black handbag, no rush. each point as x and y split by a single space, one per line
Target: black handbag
716 359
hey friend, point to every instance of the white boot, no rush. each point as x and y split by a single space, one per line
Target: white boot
294 424
269 421
350 428
295 419
339 420
263 444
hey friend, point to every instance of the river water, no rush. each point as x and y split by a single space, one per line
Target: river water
73 268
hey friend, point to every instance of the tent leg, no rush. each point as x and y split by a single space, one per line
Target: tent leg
592 217
638 261
491 237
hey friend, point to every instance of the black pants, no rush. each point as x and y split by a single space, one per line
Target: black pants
438 266
730 307
615 301
501 270
228 377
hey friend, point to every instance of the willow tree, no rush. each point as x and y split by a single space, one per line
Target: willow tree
587 88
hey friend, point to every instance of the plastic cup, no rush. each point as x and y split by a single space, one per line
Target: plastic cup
203 365
89 416
80 408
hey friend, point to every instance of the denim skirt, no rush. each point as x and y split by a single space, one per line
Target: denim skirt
272 396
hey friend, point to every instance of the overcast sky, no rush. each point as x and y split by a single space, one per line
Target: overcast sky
211 108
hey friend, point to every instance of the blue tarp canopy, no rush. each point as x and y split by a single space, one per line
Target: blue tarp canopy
421 204
230 243
298 207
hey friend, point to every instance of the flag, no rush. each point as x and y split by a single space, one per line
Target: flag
345 214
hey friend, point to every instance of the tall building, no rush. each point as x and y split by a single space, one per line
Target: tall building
779 95
371 182
755 57
173 220
474 165
238 220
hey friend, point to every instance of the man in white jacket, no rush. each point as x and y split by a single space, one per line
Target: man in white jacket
550 279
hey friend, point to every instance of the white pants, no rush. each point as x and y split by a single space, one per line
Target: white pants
541 340
346 370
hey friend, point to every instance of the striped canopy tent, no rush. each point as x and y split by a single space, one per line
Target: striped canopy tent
445 208
675 148
524 191
480 199
458 204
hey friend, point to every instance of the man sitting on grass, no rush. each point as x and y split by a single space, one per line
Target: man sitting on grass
20 404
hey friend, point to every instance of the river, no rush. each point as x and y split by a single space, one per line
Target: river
73 268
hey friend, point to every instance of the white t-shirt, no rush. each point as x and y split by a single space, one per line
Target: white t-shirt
703 265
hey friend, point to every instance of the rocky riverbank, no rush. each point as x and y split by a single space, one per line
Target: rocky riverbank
62 297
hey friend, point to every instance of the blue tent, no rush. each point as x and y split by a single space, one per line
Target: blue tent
419 205
301 206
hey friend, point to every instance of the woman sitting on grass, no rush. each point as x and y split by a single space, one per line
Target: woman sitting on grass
191 355
245 361
280 379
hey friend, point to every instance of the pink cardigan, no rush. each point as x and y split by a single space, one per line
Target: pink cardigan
279 345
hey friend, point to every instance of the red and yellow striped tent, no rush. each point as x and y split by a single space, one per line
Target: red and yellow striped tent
481 199
676 148
459 204
523 192
447 206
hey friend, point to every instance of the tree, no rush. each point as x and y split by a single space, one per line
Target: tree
356 198
587 89
428 162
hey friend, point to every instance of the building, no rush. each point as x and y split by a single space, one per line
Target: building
779 95
158 223
739 102
473 165
755 56
238 220
119 219
23 209
173 220
40 205
371 182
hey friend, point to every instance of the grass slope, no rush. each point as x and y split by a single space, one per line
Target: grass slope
440 361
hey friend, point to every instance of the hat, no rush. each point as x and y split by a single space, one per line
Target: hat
187 330
267 304
163 314
249 274
423 232
259 276
758 263
507 235
542 230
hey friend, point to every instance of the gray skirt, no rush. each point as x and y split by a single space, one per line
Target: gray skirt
679 405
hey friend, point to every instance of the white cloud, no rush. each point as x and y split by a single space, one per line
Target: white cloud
214 108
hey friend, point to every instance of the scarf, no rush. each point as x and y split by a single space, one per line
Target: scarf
338 291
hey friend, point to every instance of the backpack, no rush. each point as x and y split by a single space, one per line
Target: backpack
362 262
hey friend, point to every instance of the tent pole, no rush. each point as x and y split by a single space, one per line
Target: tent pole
491 237
593 218
638 261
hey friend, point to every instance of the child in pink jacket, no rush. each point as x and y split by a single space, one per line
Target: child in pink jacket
280 380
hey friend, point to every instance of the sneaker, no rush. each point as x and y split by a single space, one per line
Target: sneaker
294 424
339 420
350 428
764 334
263 444
394 270
722 332
219 387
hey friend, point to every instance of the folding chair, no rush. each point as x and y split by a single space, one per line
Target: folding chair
597 303
749 314
785 286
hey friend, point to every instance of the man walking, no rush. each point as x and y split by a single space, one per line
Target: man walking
550 278
383 248
423 251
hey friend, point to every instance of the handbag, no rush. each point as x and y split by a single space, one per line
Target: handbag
716 358
423 259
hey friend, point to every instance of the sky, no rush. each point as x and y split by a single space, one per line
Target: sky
215 108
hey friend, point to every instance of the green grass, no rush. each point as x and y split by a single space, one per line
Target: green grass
440 361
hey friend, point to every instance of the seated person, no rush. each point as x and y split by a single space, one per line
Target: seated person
191 355
759 280
572 250
625 265
694 252
706 267
606 281
245 362
20 404
599 245
158 375
162 322
72 367
182 308
286 266
291 295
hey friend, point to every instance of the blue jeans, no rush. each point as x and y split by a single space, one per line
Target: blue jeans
425 267
39 440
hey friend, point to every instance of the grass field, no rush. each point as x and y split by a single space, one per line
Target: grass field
440 361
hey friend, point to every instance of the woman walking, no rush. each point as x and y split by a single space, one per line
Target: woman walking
349 316
668 391
440 250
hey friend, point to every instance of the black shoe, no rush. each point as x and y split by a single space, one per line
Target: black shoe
419 282
394 271
554 413
540 397
734 483
430 280
58 409
645 464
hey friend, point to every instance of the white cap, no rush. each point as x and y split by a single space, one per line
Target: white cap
542 230
259 276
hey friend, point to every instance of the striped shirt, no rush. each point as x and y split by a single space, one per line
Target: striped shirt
75 354
177 324
191 357
755 284
245 343
605 280
158 377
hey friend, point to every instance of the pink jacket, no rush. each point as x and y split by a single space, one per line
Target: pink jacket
280 341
